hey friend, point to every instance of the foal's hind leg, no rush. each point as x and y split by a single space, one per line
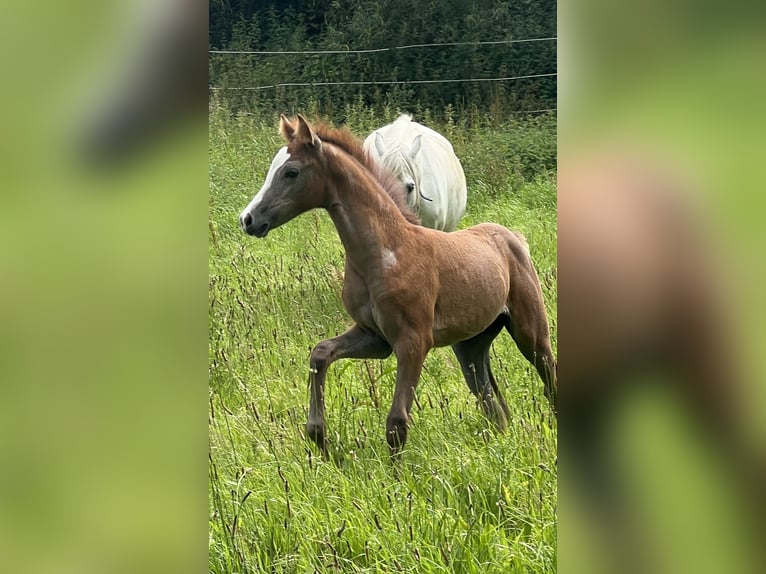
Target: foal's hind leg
356 343
473 356
529 328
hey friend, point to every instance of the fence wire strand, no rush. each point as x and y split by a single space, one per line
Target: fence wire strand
378 50
381 82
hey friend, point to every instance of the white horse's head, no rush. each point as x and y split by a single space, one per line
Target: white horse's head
401 160
427 167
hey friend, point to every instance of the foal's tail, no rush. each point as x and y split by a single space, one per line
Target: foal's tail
520 236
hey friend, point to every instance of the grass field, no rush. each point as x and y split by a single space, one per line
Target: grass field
462 498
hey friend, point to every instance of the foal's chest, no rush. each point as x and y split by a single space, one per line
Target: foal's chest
368 304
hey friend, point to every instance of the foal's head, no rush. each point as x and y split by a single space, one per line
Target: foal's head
295 181
291 186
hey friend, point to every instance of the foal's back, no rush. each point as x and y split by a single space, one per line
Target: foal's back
483 247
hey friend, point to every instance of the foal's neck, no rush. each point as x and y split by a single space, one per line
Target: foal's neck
367 219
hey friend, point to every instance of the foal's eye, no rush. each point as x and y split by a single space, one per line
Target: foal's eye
409 187
291 172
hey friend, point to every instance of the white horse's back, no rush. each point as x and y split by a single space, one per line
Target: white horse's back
426 163
404 129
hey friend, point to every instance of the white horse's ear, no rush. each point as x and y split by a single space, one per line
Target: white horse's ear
415 147
305 133
380 144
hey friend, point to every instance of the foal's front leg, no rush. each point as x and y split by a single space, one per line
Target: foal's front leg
356 343
410 353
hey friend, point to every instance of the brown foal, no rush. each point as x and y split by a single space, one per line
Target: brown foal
407 288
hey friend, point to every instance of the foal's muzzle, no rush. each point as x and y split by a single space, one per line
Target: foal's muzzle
258 226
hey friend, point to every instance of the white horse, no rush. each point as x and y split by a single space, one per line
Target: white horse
423 160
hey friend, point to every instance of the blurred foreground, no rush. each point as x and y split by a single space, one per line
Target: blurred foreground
103 292
662 437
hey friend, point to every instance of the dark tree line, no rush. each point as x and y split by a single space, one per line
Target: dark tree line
299 25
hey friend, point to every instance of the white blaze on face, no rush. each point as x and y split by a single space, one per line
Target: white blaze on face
279 160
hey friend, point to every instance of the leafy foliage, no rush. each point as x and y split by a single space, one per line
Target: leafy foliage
301 25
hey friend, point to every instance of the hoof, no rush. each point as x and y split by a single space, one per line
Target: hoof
315 431
495 413
396 434
500 420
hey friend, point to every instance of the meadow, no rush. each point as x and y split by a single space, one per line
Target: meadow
463 498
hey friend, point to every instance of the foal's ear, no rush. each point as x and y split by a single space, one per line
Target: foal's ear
304 133
286 128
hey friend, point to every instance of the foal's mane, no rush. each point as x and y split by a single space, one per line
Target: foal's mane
344 139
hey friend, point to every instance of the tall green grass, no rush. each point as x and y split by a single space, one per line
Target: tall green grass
462 498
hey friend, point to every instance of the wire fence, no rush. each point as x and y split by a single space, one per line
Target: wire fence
383 82
378 50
